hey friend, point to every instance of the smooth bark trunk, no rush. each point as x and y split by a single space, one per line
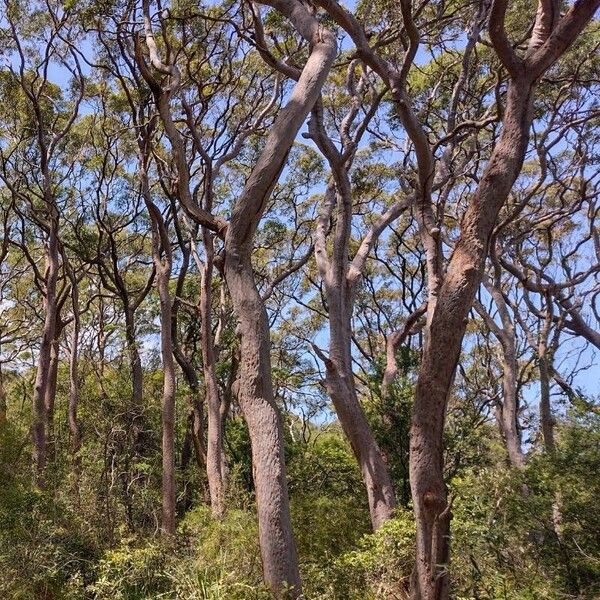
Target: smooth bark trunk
508 411
278 549
342 390
443 344
137 377
2 399
74 396
216 469
546 418
163 260
168 402
50 394
42 379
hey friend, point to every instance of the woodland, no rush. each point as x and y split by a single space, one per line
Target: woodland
299 299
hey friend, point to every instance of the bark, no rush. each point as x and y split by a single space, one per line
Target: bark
280 563
443 344
216 469
196 420
340 278
42 379
507 413
2 399
545 369
162 256
278 550
464 274
394 341
196 414
168 400
50 393
508 410
137 375
576 323
215 454
446 323
74 392
340 385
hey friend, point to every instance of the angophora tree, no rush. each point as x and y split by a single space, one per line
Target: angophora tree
255 393
451 290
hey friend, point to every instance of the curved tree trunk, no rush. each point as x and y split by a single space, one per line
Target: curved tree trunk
278 550
340 279
446 329
341 387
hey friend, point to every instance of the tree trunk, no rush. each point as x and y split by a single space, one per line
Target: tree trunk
137 376
508 411
168 401
50 395
256 398
42 379
163 260
196 418
74 395
2 398
216 469
278 549
446 329
546 418
340 288
341 388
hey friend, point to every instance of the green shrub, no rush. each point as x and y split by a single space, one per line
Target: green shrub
378 568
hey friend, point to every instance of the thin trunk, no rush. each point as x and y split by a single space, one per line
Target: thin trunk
546 368
340 288
163 260
2 398
342 390
394 341
137 376
508 411
74 394
216 469
50 395
546 418
196 419
168 402
196 415
40 418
